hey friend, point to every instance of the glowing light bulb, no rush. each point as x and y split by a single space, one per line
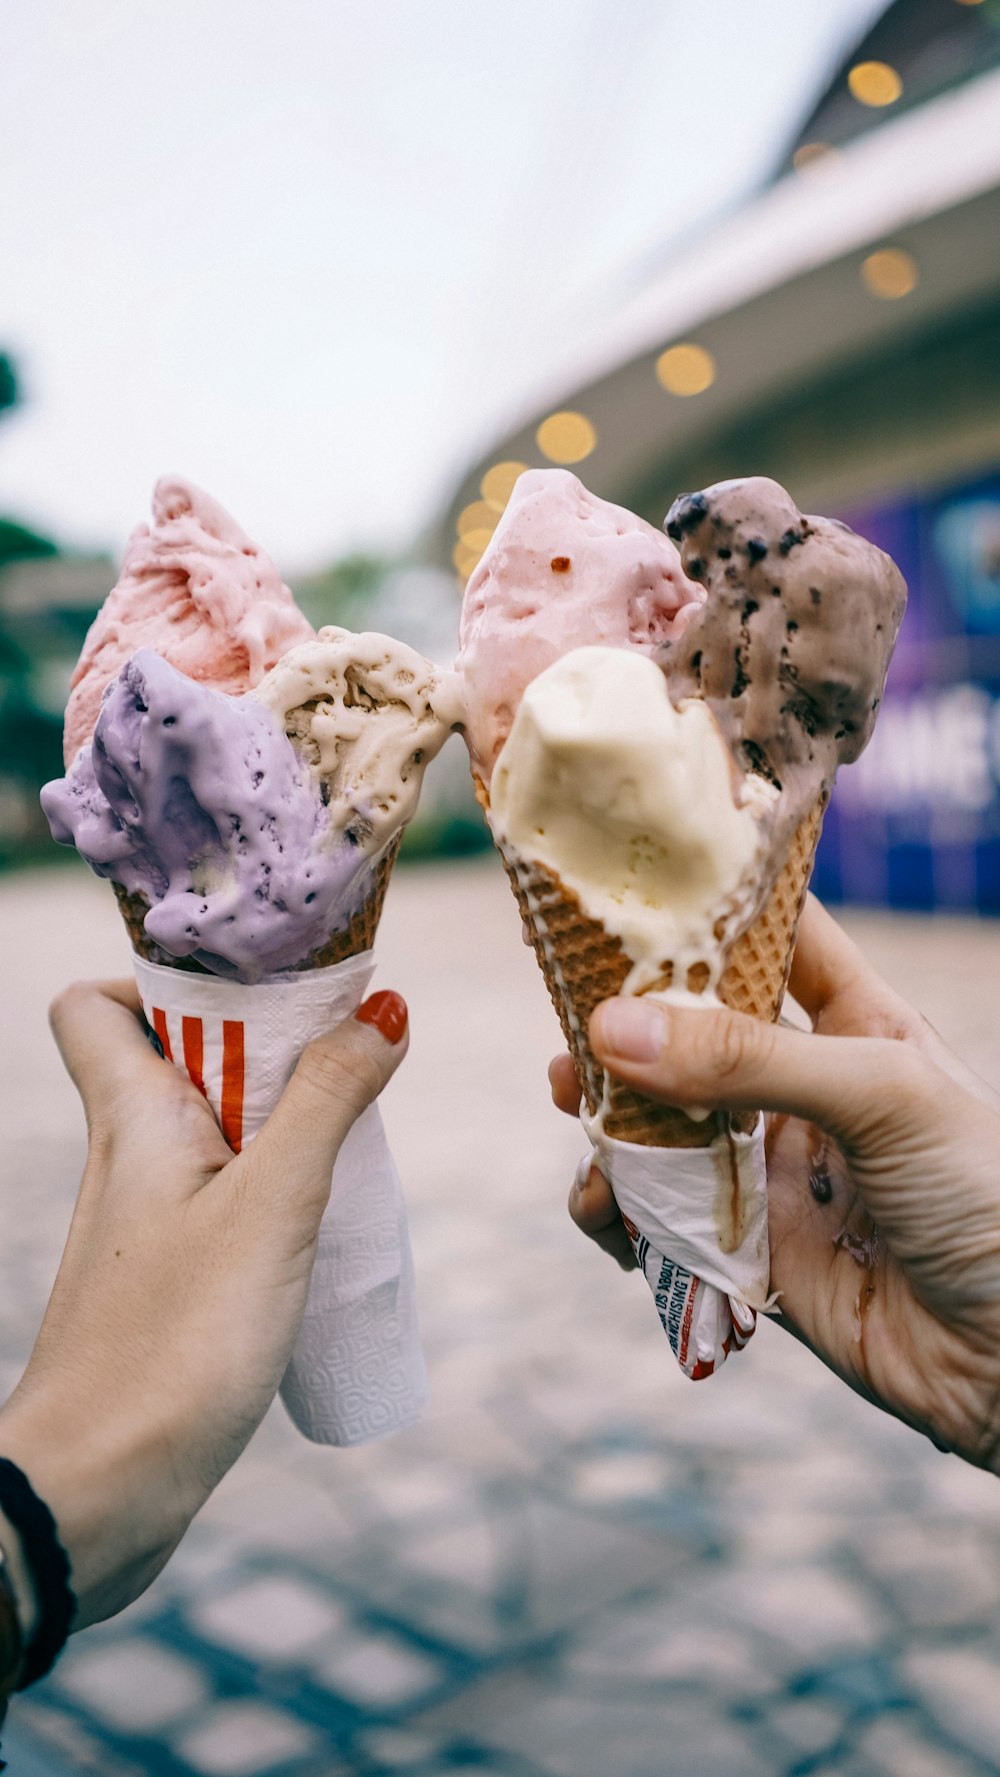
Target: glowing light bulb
686 369
477 517
890 273
497 484
815 158
566 437
874 83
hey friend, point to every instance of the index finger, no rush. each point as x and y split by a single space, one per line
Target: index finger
566 1094
826 961
593 1208
101 1035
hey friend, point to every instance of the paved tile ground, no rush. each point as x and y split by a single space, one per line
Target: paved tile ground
578 1565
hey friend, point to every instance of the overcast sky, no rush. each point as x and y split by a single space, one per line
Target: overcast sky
313 255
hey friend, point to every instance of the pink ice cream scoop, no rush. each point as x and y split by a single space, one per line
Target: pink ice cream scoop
194 587
564 570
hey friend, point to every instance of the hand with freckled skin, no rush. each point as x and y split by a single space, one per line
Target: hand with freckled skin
182 1287
883 1178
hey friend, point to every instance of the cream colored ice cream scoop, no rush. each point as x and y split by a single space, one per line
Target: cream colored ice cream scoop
365 713
632 803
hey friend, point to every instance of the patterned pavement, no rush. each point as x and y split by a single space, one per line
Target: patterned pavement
578 1564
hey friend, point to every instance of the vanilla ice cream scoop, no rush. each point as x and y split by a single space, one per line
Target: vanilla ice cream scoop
633 804
564 570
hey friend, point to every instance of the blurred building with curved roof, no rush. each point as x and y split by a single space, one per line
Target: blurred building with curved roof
840 331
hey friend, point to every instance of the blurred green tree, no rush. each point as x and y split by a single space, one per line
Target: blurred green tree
10 392
342 592
18 543
30 736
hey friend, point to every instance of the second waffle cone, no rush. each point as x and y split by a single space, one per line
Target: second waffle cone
583 964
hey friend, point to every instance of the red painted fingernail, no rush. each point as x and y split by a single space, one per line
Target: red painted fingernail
387 1011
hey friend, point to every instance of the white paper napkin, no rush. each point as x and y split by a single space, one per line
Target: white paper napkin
357 1370
697 1220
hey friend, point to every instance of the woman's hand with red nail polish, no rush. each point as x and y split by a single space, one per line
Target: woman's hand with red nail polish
387 1011
183 1284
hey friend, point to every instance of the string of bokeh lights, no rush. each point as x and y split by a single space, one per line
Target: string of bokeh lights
687 368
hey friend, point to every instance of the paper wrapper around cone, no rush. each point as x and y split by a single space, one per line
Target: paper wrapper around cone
357 1368
583 965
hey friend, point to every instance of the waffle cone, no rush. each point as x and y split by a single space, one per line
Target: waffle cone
349 940
583 964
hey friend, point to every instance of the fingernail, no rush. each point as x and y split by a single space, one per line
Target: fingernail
387 1011
632 1030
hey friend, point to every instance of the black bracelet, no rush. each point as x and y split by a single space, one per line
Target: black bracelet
48 1564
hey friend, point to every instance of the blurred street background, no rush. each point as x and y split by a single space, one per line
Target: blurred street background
579 1564
352 269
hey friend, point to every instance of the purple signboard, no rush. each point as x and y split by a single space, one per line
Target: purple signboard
916 821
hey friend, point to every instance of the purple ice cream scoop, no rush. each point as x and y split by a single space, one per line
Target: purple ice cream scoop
198 802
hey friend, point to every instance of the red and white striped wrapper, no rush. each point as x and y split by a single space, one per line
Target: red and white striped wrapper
697 1220
357 1370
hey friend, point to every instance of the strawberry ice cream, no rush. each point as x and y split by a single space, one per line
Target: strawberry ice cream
194 587
564 570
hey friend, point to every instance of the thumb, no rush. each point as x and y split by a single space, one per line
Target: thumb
860 1089
336 1078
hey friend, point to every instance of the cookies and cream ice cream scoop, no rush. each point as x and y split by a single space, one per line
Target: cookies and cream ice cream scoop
366 714
791 644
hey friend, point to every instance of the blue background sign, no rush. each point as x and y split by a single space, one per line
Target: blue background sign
915 823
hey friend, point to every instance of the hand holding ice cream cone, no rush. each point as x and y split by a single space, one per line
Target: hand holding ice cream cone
657 803
181 1292
882 1203
248 820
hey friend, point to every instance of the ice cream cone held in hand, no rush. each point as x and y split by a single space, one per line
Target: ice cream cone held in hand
657 803
244 790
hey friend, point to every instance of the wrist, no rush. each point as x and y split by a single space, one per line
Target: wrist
38 1604
12 1634
16 1579
104 1487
